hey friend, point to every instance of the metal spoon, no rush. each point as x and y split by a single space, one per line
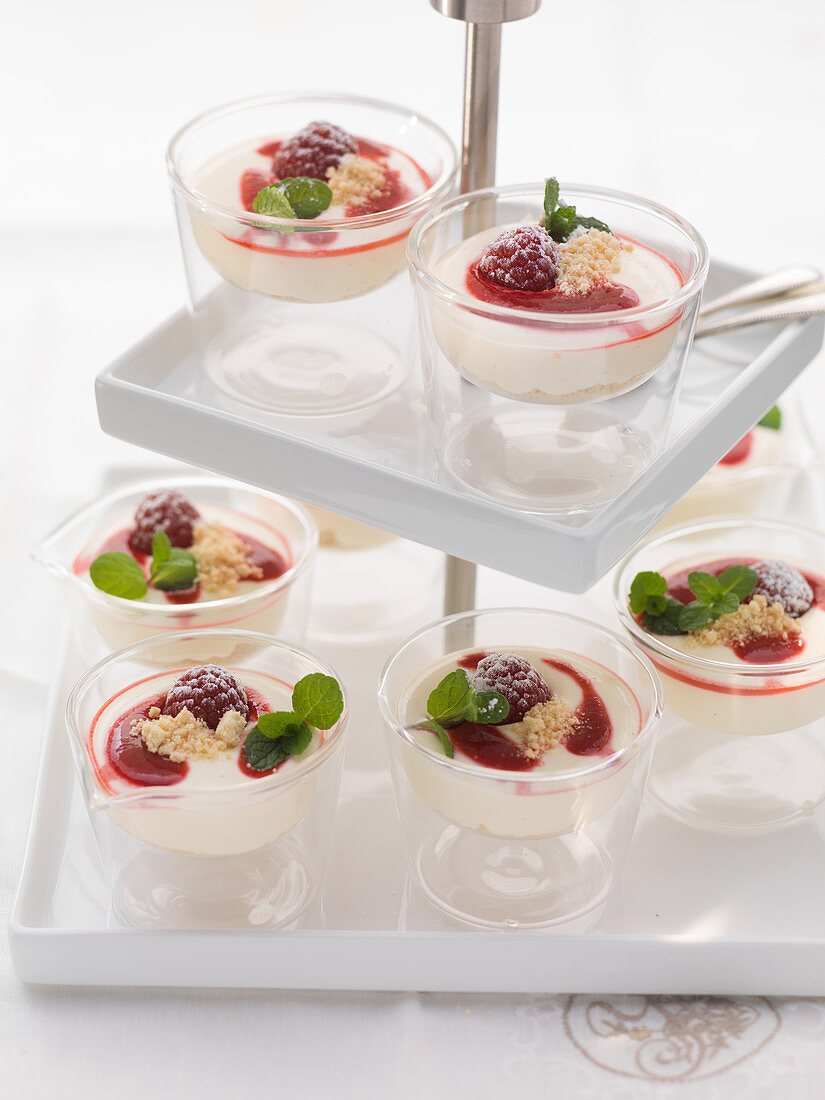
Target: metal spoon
790 308
787 281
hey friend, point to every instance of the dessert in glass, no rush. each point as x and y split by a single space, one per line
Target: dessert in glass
175 554
732 614
519 746
210 786
555 323
293 212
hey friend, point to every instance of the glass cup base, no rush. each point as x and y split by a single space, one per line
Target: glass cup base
264 889
493 882
547 460
736 783
304 365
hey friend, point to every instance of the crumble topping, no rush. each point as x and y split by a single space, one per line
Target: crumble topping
587 259
223 559
355 181
755 619
545 726
185 737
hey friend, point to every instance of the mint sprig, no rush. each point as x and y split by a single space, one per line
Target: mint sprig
297 197
119 574
173 569
715 596
772 419
560 221
455 700
317 701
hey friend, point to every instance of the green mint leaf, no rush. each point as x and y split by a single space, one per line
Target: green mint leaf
561 223
297 740
308 197
590 223
451 700
667 620
262 752
318 700
161 549
177 572
645 586
551 199
277 723
695 616
772 419
273 201
704 586
118 574
491 708
725 605
740 580
442 736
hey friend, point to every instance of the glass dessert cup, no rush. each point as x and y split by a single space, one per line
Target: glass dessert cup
741 748
311 321
517 849
552 413
103 623
246 854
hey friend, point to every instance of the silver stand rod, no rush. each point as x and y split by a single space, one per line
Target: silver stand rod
482 67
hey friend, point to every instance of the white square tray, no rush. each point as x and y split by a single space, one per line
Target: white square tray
380 467
696 912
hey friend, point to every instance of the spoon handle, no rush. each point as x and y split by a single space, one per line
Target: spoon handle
785 281
788 309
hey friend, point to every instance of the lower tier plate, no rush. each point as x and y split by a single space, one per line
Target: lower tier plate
697 911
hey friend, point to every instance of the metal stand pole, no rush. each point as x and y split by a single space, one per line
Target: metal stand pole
482 63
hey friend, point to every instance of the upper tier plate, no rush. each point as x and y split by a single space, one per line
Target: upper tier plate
377 465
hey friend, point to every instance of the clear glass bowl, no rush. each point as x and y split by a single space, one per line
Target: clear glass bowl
550 412
517 849
263 289
709 769
250 853
103 623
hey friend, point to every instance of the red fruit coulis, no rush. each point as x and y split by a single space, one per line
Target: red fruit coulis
492 748
600 299
739 452
129 758
757 651
271 563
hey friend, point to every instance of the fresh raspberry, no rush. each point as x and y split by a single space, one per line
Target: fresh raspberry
319 146
523 258
166 510
207 692
783 583
515 679
251 183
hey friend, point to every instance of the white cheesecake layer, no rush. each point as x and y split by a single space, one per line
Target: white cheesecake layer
518 804
297 266
216 809
556 364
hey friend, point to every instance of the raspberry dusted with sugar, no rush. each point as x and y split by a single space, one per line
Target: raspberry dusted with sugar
208 692
782 583
515 679
523 258
319 146
166 510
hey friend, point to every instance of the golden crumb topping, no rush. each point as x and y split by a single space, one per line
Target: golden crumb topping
545 726
185 737
355 180
755 619
223 559
589 259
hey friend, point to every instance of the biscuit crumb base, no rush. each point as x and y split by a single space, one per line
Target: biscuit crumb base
223 560
587 260
755 619
355 181
545 726
185 737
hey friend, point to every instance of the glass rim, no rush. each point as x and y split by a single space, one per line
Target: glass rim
434 285
654 642
605 764
256 787
434 192
43 553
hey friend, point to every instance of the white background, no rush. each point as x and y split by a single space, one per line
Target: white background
714 108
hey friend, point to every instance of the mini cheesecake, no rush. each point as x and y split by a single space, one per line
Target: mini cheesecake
575 718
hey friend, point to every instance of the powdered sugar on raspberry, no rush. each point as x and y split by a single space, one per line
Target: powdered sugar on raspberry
522 258
514 678
310 152
208 692
166 510
782 583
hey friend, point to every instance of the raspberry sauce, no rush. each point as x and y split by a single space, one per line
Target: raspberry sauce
739 452
593 730
606 296
488 746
